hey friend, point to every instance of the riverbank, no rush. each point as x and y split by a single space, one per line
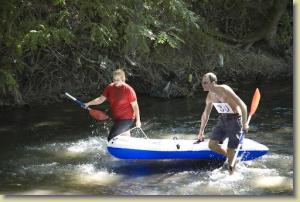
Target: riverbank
177 79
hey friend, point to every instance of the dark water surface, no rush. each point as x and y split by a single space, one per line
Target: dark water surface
59 149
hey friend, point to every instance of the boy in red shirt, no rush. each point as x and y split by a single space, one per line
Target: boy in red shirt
123 104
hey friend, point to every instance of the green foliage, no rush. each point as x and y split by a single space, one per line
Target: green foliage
7 81
63 16
233 17
171 39
136 38
156 23
180 9
45 37
59 2
51 34
102 35
285 32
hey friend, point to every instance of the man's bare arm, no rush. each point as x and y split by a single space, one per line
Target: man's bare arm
96 101
205 116
136 109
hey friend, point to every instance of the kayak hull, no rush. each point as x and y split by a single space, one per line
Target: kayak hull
125 147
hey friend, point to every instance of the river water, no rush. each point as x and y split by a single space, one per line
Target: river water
59 150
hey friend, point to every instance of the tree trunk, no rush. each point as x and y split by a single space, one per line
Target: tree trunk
269 31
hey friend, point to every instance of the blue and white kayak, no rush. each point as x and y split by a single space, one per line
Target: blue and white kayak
126 147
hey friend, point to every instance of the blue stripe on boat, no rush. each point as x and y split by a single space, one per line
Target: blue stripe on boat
203 154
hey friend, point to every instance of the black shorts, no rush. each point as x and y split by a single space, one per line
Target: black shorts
228 126
120 126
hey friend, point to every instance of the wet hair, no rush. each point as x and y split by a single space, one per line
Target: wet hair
211 76
119 72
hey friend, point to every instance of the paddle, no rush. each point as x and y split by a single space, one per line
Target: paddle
96 114
254 105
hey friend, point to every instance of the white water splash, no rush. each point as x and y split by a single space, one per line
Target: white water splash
87 174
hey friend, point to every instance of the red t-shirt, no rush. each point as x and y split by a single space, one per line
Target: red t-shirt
119 99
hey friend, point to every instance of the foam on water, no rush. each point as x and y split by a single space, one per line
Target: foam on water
86 164
88 174
274 183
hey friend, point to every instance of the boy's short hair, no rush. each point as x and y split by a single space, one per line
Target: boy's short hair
119 72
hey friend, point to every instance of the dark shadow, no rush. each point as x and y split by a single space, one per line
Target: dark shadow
148 167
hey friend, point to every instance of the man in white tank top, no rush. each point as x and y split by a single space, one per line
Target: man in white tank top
232 116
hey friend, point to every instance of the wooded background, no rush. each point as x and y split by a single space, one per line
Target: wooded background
48 47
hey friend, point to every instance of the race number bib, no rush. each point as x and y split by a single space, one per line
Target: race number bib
223 108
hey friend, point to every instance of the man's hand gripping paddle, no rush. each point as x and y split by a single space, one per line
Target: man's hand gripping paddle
254 105
96 114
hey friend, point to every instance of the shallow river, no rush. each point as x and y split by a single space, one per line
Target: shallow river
59 149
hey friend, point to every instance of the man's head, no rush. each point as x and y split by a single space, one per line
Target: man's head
208 80
119 77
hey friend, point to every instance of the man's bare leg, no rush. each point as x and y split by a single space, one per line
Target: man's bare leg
229 153
230 156
214 145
